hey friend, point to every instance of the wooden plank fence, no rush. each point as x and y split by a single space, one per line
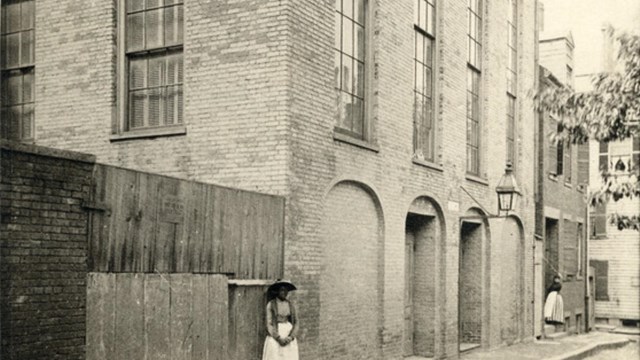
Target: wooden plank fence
147 223
176 316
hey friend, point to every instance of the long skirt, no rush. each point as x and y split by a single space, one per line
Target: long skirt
274 351
554 308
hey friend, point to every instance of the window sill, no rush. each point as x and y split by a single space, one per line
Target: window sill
150 133
568 185
428 164
553 177
598 237
477 179
356 142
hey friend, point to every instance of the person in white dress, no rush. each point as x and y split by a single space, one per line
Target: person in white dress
282 324
554 306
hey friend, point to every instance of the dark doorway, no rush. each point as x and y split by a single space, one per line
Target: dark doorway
551 252
470 285
419 313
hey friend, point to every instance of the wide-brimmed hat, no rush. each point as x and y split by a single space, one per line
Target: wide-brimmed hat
273 288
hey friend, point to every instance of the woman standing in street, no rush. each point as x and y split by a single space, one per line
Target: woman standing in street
554 307
282 324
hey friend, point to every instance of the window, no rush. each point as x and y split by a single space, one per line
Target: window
602 279
512 44
512 30
603 156
424 129
560 155
474 48
350 56
511 129
570 248
579 253
599 220
153 56
635 153
568 158
17 88
583 164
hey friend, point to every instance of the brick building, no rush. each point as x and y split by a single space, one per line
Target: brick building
354 111
561 198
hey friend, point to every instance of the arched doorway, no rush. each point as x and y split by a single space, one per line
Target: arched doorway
423 233
473 279
351 274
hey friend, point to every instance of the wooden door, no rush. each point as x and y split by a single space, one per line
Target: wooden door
408 293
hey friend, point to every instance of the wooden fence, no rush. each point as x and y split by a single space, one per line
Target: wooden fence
173 267
176 316
146 223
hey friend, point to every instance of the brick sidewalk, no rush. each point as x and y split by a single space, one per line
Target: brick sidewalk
568 348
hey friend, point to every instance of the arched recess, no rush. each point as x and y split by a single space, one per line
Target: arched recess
474 280
351 276
424 240
511 285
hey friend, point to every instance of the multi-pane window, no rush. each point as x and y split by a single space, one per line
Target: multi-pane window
511 80
350 53
512 43
424 129
474 18
603 156
511 129
154 62
17 90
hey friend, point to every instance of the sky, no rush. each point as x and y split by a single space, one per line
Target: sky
584 18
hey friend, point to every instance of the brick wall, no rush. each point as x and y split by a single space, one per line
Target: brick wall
562 204
43 252
259 115
424 283
350 278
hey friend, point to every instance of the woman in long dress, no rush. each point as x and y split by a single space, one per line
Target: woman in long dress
282 324
553 306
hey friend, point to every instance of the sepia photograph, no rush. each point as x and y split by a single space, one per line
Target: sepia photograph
319 179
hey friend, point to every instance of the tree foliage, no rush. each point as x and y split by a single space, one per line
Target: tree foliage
609 112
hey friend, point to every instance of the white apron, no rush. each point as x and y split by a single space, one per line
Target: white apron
274 351
554 308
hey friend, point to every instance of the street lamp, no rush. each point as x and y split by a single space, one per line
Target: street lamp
508 193
507 190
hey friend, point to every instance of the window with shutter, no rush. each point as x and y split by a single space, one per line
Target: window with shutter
599 221
153 59
636 153
17 78
567 162
602 279
552 153
560 158
603 156
583 164
569 248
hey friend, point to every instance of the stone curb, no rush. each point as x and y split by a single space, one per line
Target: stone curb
591 350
